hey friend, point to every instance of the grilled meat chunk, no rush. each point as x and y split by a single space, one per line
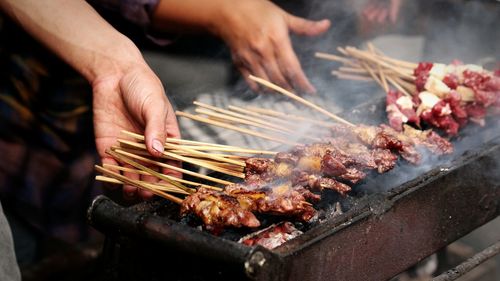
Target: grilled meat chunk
430 139
278 198
218 209
318 183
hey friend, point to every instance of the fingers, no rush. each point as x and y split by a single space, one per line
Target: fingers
250 62
155 118
276 62
290 65
394 10
302 26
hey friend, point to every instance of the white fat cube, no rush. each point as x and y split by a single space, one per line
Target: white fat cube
428 100
436 86
405 102
438 71
466 93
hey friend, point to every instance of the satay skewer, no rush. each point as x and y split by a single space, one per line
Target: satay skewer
137 165
299 99
193 161
120 168
160 187
241 116
289 116
138 184
196 145
341 75
284 131
281 122
234 128
171 167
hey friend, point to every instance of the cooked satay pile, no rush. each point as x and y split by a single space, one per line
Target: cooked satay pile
288 184
442 96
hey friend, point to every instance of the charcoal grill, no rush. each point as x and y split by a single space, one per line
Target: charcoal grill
388 225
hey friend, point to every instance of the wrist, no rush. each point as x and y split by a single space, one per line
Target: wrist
112 59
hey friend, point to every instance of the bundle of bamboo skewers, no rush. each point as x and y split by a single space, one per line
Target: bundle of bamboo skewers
229 160
131 151
373 65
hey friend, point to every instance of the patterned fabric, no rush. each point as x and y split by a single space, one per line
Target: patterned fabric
46 137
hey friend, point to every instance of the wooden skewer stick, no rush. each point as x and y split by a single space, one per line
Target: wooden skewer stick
293 117
227 118
232 127
229 149
171 167
401 63
368 56
282 122
398 86
299 99
146 169
161 187
246 122
332 57
193 161
179 141
379 68
138 184
120 168
351 76
241 116
205 155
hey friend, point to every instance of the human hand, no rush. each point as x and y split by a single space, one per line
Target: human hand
134 100
257 32
380 11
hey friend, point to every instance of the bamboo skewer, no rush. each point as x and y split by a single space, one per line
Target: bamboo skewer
241 116
398 86
221 117
196 145
351 76
285 123
205 155
299 99
120 168
138 184
174 168
293 117
284 131
161 187
146 169
229 149
178 141
235 128
193 161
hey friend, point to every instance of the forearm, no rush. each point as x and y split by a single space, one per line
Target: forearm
189 15
75 32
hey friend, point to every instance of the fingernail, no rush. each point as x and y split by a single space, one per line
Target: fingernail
158 146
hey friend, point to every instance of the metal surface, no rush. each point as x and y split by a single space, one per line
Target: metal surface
381 233
388 225
470 264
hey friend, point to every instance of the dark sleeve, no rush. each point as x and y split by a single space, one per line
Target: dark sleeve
138 12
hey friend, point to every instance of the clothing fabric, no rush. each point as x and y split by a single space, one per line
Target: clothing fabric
136 11
46 138
9 271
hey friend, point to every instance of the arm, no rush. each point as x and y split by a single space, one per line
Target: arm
127 95
256 31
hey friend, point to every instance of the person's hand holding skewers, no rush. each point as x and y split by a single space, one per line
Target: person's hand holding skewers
127 95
